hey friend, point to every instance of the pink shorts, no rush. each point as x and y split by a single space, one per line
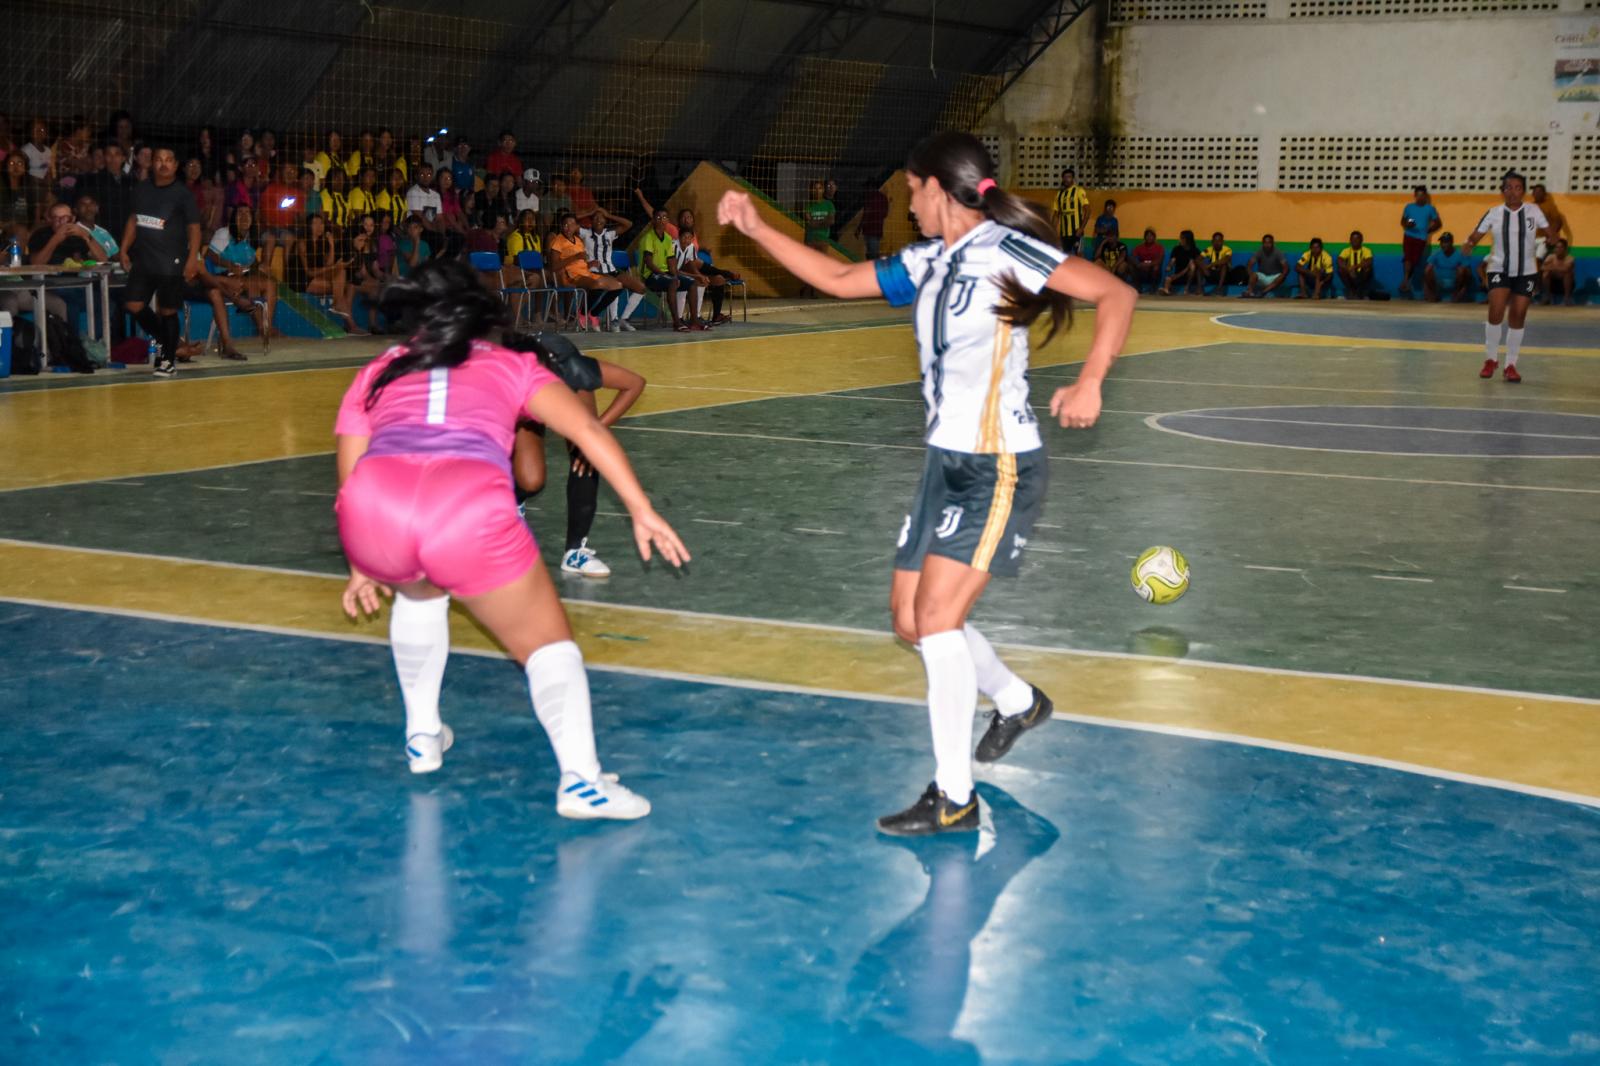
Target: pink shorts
453 521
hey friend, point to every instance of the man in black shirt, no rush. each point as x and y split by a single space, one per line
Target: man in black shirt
59 239
112 190
160 250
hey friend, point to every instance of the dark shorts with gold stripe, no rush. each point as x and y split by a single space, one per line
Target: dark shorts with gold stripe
975 509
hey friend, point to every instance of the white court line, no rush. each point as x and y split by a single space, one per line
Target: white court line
308 492
1275 569
704 679
819 627
1401 577
1203 413
822 532
1140 462
122 484
1119 379
715 522
206 422
1534 588
1047 551
220 488
1154 422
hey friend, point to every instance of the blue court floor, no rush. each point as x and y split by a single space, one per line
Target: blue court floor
212 852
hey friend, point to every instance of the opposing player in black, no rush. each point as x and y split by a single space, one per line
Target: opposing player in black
584 375
989 269
1512 273
160 251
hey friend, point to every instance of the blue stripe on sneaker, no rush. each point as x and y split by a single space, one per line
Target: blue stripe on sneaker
596 803
588 794
413 752
575 786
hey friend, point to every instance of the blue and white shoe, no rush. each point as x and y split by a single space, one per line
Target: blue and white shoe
583 561
426 750
605 798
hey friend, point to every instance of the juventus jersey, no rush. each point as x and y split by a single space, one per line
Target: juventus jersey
598 246
1514 233
974 364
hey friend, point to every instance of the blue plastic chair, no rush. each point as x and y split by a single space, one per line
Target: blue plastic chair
734 285
489 263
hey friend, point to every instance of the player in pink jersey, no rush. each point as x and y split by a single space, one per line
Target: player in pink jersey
426 511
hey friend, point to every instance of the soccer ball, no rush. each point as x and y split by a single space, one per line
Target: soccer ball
1160 575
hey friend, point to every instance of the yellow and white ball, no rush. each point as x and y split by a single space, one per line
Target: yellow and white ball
1160 575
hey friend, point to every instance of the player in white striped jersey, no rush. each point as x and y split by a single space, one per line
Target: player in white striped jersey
599 232
1511 272
988 270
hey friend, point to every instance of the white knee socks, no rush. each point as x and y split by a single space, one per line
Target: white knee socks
1513 345
419 636
1491 341
1010 693
952 701
632 303
560 690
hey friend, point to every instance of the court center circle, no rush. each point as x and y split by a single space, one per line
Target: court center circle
1462 432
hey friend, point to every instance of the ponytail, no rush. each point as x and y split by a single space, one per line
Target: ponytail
444 308
966 173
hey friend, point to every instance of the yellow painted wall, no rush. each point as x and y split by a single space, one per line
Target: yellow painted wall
1298 216
730 249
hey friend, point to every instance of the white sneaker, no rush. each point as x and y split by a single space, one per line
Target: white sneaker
426 750
581 560
625 325
606 798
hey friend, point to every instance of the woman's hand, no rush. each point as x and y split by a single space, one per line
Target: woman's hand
580 465
737 210
650 529
361 595
1077 405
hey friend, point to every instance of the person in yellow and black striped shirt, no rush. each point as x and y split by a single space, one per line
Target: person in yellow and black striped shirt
1070 210
363 199
1315 270
1355 269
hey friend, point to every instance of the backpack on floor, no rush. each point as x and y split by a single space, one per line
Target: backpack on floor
65 347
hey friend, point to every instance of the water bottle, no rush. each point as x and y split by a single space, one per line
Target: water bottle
150 351
14 253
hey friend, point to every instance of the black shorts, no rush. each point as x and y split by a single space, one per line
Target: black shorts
1519 284
166 289
1069 244
975 509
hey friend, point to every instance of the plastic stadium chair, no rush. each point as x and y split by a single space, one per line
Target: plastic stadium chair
534 262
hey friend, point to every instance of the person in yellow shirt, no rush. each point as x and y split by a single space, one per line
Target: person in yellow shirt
364 198
335 203
393 199
1216 259
525 238
1070 210
1355 269
1315 270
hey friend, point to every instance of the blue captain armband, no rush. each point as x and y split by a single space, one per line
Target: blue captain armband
895 281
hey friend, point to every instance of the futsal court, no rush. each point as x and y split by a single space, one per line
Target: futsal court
1337 803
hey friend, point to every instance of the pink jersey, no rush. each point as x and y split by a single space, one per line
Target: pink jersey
470 411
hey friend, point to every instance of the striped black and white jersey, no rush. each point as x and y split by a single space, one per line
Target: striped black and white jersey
599 245
974 364
1514 233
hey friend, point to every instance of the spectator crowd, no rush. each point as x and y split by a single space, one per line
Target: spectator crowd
1434 274
333 219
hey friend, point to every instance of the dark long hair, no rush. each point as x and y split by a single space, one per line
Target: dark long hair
444 308
961 162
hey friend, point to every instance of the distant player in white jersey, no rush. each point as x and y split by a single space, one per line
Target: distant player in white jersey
989 268
1515 228
599 232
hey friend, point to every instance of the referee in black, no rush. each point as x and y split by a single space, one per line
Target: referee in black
160 250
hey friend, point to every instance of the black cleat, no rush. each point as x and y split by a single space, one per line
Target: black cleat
932 813
1004 730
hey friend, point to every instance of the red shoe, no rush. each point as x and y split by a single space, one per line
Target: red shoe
1488 368
1512 375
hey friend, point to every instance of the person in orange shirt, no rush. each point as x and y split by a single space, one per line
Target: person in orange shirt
283 209
569 261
